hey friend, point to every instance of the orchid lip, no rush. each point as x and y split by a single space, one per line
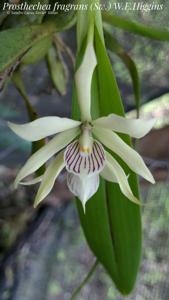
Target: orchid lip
83 188
90 163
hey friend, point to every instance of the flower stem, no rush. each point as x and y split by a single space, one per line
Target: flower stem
85 280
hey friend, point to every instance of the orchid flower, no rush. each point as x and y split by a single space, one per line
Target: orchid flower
79 145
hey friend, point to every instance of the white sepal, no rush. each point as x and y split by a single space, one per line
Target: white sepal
108 174
43 127
112 141
122 179
83 80
84 187
33 181
41 156
136 128
52 172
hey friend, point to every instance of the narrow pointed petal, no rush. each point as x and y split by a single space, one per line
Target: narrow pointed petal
43 127
84 187
122 179
52 172
33 181
79 164
83 80
41 156
136 128
108 174
112 141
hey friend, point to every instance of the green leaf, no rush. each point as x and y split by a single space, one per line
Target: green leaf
111 224
58 70
82 22
15 42
137 28
83 19
113 45
38 51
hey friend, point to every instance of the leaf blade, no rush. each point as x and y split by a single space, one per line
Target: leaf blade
114 46
110 217
134 27
14 42
120 207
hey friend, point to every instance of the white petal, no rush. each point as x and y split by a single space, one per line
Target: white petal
79 163
43 127
41 156
33 181
84 187
129 155
52 172
108 174
113 166
136 128
83 80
